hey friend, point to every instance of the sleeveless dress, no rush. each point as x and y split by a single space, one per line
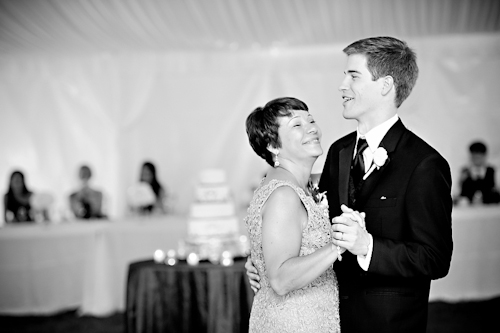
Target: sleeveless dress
313 308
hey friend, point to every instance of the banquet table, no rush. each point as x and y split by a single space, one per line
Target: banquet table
42 267
475 265
47 268
204 298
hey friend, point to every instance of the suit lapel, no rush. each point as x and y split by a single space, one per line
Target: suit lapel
389 142
345 158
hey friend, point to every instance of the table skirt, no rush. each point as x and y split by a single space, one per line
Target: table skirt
183 298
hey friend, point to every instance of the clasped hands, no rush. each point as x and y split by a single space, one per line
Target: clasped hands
349 231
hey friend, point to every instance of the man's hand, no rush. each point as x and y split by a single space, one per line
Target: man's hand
253 275
349 231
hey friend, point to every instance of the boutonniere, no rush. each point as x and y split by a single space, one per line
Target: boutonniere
318 197
379 159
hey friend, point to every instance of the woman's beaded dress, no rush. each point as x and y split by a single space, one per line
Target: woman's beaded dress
313 308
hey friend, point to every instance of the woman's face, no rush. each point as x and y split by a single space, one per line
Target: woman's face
147 175
17 183
300 136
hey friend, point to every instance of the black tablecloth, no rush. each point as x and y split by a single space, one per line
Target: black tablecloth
182 298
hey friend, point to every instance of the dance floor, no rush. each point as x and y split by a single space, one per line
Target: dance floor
462 317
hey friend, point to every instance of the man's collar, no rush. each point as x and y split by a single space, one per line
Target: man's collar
376 134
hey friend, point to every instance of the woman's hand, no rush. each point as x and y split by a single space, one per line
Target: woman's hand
253 275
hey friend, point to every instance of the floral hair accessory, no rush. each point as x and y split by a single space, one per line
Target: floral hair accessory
379 159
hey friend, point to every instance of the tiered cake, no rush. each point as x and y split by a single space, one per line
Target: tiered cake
212 223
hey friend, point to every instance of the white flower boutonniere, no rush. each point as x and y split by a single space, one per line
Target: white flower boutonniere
379 158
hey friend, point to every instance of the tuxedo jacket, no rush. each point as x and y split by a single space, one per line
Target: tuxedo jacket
408 212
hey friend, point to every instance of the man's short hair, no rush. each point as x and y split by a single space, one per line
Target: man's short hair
478 147
389 56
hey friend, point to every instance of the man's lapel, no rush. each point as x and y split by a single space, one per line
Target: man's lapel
389 142
345 158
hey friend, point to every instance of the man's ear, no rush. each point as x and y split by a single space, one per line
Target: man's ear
387 84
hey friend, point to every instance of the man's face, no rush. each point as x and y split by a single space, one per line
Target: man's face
478 159
360 93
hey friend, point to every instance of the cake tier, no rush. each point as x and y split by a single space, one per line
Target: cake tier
211 209
199 228
211 193
212 176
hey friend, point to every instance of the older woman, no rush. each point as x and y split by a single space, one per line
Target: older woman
289 227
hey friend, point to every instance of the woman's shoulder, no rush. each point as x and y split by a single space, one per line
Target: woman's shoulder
282 199
281 191
277 182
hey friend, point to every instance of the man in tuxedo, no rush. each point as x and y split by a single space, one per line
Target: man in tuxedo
477 180
402 238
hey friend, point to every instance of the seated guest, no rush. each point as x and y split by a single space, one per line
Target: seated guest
148 175
477 180
86 203
17 207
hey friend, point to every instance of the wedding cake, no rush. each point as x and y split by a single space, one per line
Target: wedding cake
213 225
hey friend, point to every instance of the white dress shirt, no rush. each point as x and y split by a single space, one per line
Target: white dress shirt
373 138
477 172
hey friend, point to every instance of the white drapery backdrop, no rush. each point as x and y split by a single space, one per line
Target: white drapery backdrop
184 107
186 111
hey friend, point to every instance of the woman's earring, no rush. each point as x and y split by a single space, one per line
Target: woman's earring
276 162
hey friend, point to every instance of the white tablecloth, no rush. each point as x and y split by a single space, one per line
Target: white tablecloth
42 267
475 265
50 268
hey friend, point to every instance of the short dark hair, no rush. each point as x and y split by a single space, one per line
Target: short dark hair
262 124
478 147
389 56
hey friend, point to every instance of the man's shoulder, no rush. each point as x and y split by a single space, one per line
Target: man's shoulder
343 141
419 148
419 143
